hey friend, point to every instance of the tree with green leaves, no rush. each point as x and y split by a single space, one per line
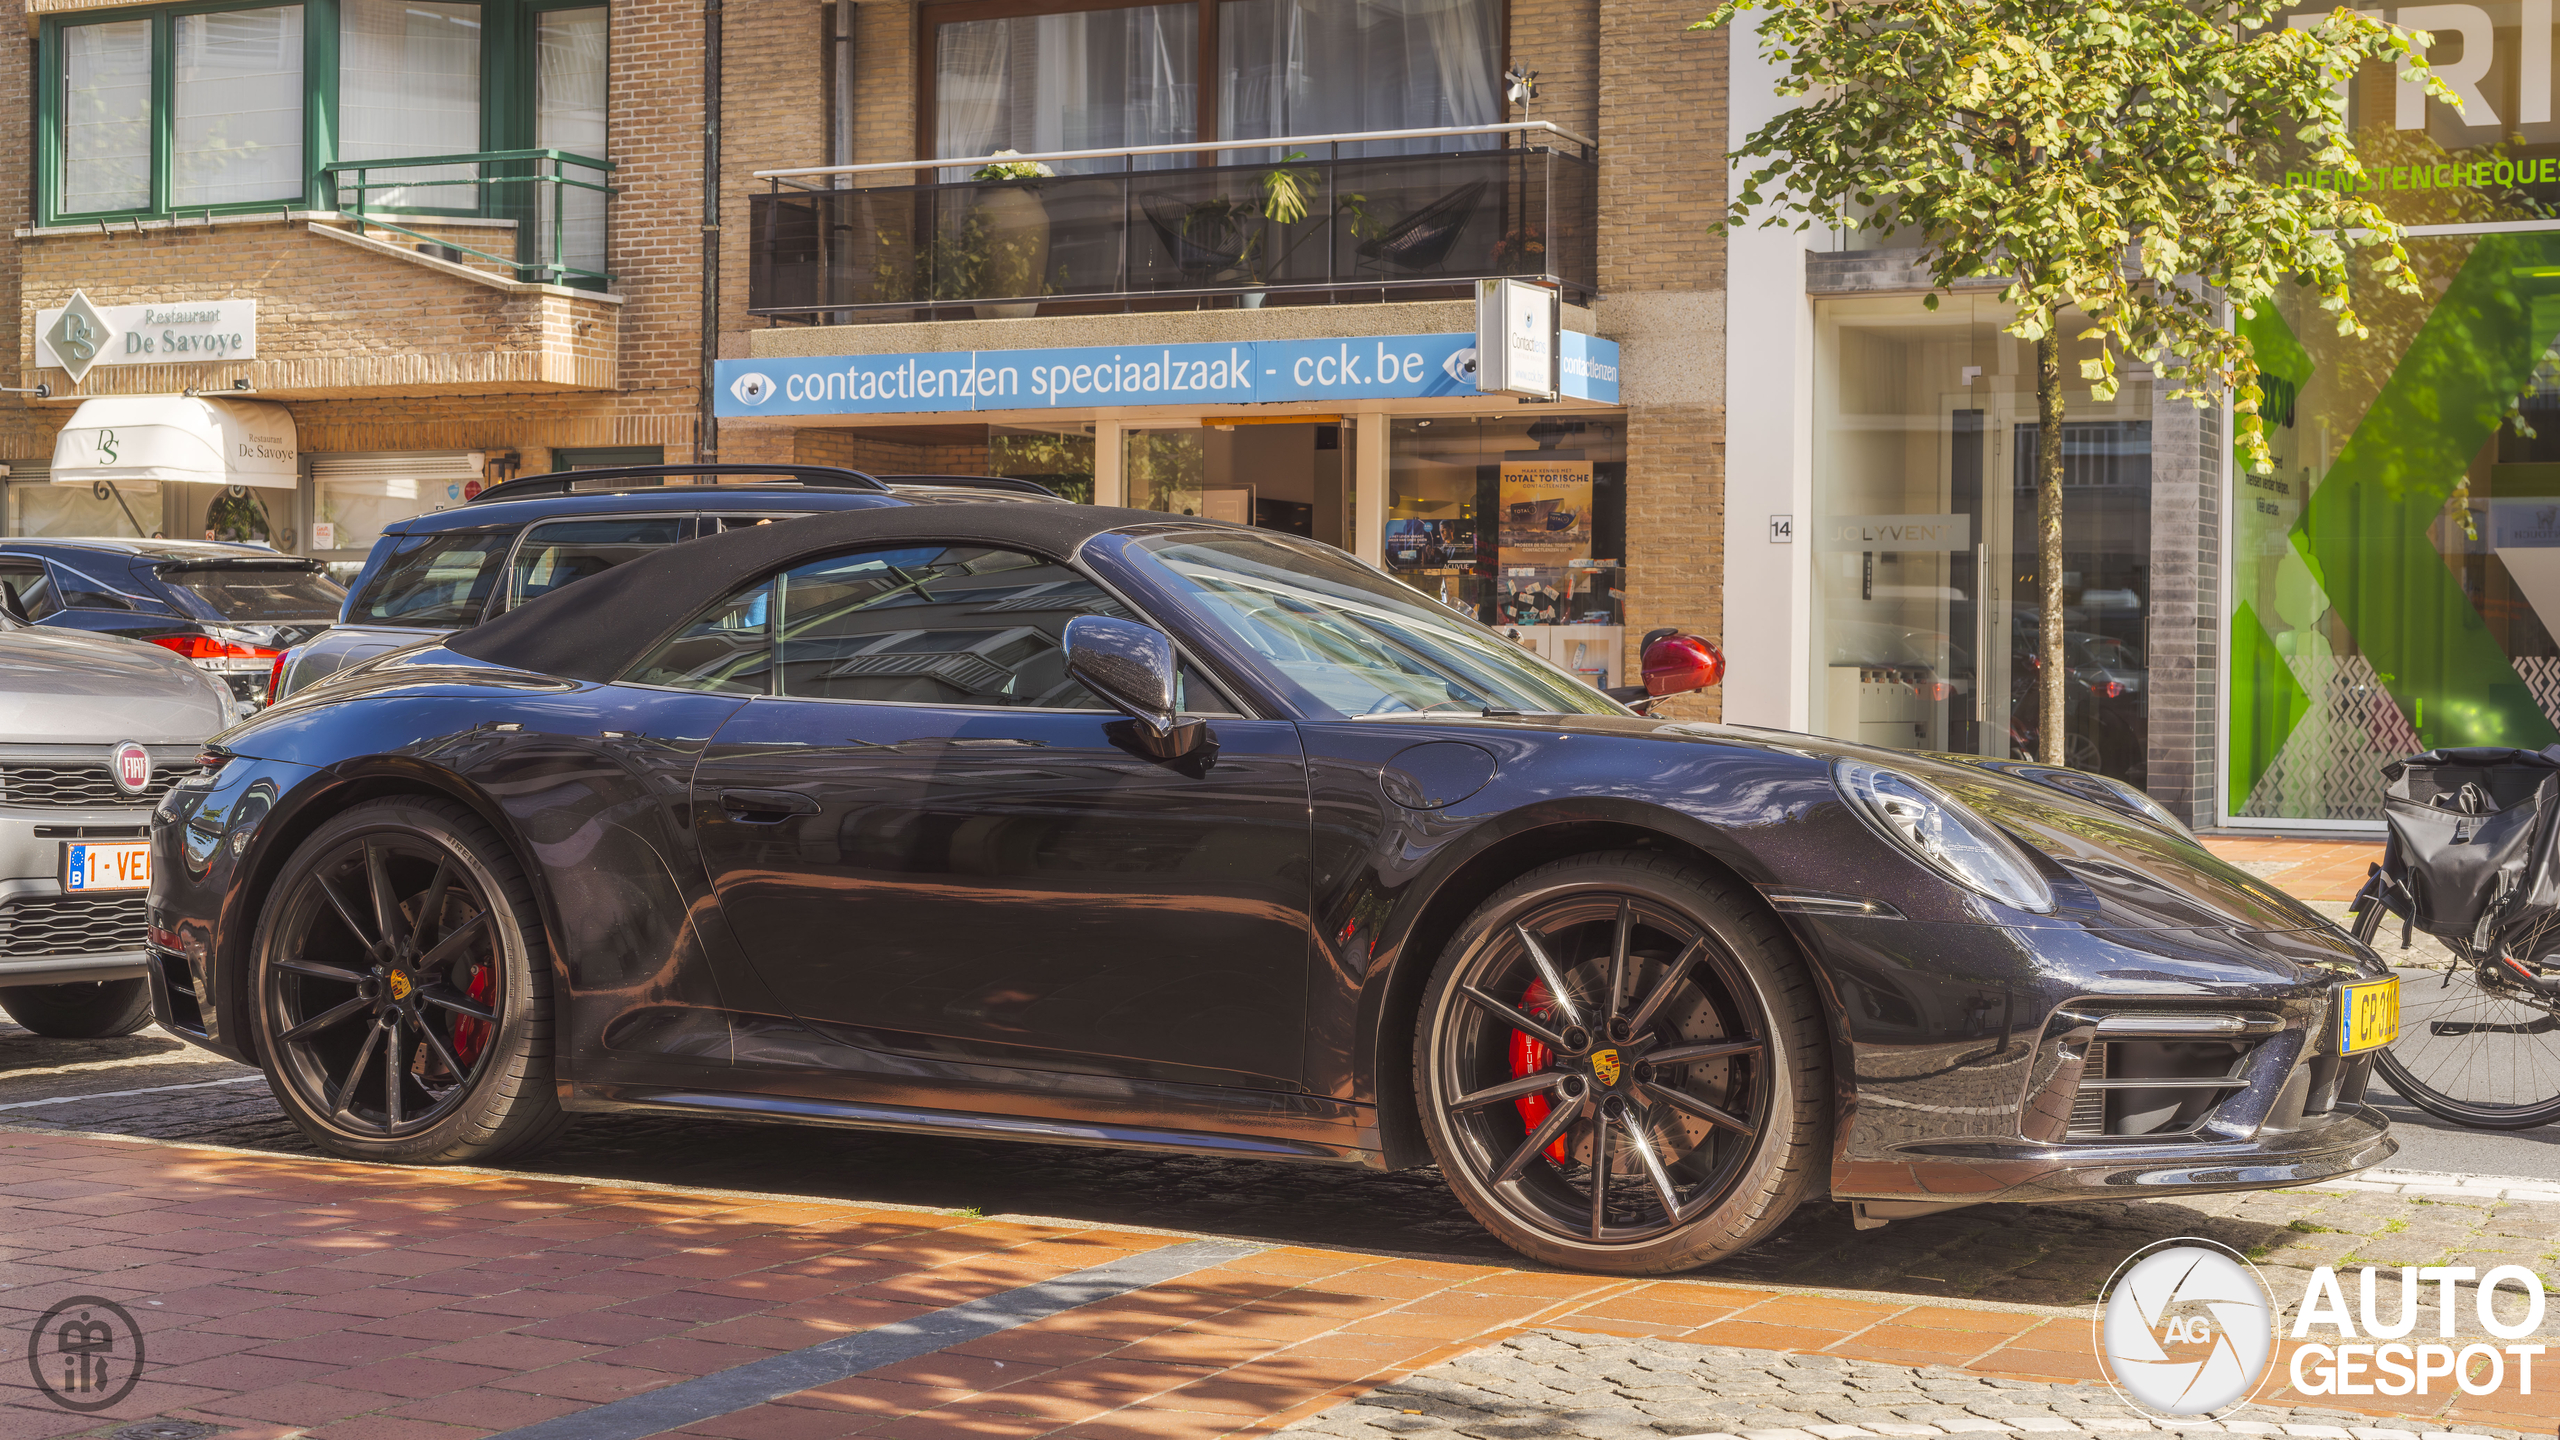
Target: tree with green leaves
2123 164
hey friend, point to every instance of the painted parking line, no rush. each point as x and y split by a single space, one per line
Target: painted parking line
761 1382
121 1094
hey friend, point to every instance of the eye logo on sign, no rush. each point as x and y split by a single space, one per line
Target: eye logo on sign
752 388
1461 366
2186 1328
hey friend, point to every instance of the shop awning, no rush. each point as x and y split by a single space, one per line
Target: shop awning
178 437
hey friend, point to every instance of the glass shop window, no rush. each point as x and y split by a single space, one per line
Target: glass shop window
1927 629
1521 523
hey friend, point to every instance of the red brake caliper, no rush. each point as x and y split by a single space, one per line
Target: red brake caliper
1528 1056
469 1034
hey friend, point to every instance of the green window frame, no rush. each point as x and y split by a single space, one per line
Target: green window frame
508 75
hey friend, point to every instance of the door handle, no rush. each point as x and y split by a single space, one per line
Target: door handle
765 807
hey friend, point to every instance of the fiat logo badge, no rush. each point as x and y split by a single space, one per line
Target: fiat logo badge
132 766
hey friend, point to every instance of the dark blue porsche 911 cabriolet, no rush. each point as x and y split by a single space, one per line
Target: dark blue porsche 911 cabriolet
1091 826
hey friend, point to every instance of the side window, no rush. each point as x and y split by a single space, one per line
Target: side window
82 590
926 625
961 625
28 581
723 524
727 649
560 553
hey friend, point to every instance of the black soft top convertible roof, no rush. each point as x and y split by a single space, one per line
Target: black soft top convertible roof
597 629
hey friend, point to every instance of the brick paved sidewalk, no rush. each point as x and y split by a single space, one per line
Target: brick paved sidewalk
373 1303
2313 870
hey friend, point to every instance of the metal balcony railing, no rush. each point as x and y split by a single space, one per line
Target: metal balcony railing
1302 223
561 221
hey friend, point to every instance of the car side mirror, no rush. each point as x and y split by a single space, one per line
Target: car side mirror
1132 667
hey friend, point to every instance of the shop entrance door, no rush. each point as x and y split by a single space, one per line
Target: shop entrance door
1983 578
1993 592
1293 477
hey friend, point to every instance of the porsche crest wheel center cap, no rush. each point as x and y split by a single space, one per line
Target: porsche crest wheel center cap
399 983
1604 1064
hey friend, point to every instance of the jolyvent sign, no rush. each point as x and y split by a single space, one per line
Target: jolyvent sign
80 335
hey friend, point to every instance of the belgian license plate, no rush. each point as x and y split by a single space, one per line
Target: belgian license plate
106 865
2368 1015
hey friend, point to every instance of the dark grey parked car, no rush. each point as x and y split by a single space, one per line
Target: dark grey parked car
92 730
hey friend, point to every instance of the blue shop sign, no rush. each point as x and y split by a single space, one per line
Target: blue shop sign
1367 367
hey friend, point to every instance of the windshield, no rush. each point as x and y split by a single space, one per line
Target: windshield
260 594
439 581
1357 641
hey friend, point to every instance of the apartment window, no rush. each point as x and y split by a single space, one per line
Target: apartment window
180 110
409 82
183 109
106 163
1032 77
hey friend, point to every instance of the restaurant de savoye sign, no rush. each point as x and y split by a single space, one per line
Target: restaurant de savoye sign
79 335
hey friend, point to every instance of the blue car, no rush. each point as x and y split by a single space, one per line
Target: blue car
229 609
451 569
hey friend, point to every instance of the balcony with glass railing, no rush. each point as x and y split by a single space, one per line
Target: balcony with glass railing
1293 220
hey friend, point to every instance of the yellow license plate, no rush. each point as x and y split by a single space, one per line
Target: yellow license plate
2368 1015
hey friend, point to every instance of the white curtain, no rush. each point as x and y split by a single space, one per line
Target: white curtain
409 84
570 84
1317 67
968 89
1095 80
237 134
106 122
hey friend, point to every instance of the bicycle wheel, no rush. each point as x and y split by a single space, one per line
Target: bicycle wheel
2471 1051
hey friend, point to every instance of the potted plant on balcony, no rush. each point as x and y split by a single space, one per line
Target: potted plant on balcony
1012 236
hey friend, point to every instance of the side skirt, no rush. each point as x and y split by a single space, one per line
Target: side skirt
859 1115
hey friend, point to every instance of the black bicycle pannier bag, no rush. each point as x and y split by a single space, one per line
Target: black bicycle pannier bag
2471 839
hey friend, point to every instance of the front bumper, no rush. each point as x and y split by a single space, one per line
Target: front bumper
2328 1147
49 937
2031 1065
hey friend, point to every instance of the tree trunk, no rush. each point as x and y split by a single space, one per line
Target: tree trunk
2049 677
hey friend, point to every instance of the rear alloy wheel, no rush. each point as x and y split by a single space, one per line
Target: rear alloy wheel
80 1010
1621 1066
402 1014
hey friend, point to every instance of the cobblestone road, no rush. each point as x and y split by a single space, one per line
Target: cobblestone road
1591 1387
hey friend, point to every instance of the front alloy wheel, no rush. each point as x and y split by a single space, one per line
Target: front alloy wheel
1621 1066
400 1017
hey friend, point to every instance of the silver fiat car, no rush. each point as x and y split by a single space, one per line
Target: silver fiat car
92 730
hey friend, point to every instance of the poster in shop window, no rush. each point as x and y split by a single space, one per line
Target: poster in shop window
1545 526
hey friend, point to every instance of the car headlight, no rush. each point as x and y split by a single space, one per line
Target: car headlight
1942 834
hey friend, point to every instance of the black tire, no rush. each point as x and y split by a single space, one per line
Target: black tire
1705 1156
2469 1054
402 989
82 1010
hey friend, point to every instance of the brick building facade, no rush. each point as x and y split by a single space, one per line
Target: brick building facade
440 345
